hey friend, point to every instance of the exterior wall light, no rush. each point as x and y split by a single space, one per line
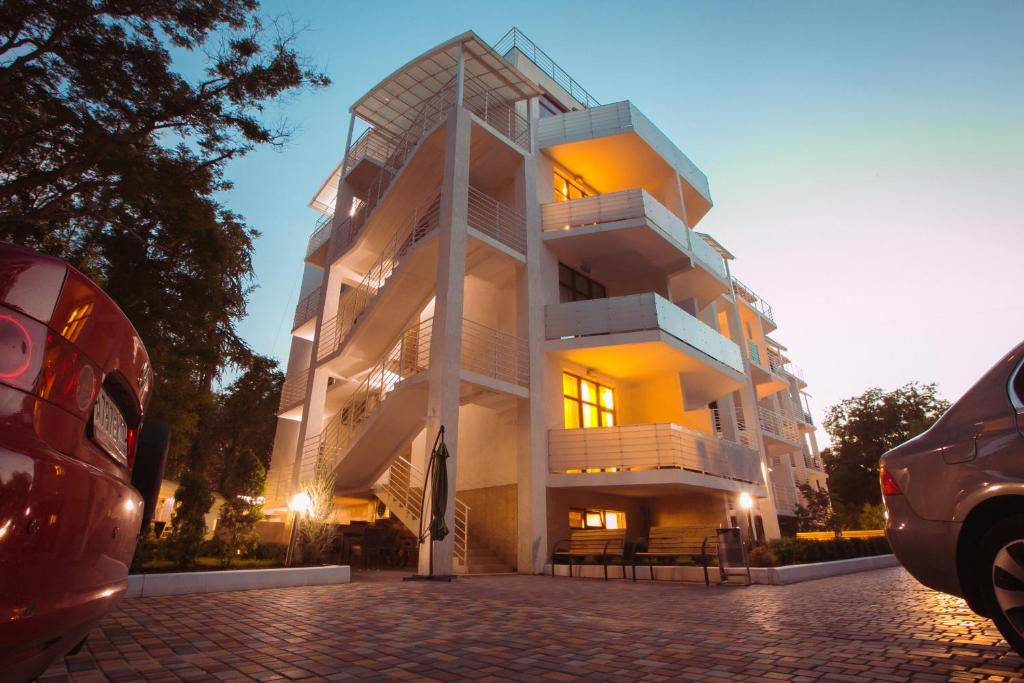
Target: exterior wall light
299 503
746 502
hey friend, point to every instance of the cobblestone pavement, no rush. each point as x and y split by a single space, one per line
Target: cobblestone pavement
879 625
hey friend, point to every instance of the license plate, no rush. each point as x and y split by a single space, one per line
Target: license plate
109 429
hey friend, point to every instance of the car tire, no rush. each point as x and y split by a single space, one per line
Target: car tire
1001 578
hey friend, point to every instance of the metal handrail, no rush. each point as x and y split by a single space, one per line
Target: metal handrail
518 40
496 220
495 354
321 233
748 295
371 144
778 424
743 437
499 113
293 391
419 224
306 308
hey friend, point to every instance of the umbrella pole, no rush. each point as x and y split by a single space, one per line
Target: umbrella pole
431 472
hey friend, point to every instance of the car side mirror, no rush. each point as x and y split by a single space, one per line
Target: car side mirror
150 458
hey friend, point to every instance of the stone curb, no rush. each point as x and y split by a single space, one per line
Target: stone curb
184 583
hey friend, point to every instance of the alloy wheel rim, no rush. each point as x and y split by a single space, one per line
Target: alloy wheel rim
1008 583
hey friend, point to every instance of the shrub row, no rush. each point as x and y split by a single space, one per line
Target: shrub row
788 551
159 551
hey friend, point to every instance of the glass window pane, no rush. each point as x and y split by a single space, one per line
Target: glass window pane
607 398
607 418
572 413
589 415
565 294
570 385
575 519
565 275
588 391
583 285
598 291
594 519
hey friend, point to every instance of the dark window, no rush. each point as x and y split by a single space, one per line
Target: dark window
574 286
548 107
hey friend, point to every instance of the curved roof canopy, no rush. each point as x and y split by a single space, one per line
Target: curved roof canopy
392 104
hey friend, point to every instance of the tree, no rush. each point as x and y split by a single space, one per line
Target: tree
814 512
315 529
247 416
864 427
112 159
243 507
193 499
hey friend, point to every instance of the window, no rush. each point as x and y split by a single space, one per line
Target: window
587 404
574 286
566 189
596 519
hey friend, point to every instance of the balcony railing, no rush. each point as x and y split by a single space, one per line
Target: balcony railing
498 113
756 302
321 233
635 204
485 351
293 392
632 448
496 220
370 145
636 313
307 308
415 228
402 490
743 437
778 424
515 39
783 485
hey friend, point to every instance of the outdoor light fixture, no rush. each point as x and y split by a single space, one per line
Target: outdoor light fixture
299 503
746 502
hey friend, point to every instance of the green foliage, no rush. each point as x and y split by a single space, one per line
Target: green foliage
113 160
864 427
315 529
871 517
193 499
814 512
243 487
786 551
275 552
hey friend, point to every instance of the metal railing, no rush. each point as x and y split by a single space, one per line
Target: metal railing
756 302
306 308
402 492
293 391
485 351
495 354
779 424
420 223
496 220
516 39
743 437
498 113
631 448
321 233
783 485
371 144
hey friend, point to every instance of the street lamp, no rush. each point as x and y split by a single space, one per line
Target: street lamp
299 505
746 502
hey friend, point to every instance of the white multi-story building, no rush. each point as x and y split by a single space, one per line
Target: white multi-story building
502 255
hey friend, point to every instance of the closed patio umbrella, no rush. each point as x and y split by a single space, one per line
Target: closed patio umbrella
437 473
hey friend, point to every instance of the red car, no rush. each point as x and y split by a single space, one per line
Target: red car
74 383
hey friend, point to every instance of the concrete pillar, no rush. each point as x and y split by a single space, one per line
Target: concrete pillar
532 453
446 329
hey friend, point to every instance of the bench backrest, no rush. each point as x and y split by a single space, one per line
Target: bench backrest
685 540
594 541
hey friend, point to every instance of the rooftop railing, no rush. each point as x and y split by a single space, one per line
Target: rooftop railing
748 295
500 114
515 39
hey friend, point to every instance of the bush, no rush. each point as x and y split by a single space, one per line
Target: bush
271 551
762 556
804 551
193 499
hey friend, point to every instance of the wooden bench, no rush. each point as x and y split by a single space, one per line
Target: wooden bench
700 543
600 544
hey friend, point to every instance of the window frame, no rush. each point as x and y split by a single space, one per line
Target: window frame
570 291
570 184
580 402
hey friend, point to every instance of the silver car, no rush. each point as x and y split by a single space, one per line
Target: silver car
954 499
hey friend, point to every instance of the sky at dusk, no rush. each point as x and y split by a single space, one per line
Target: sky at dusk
866 160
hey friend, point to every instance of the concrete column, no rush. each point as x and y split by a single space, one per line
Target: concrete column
532 452
446 330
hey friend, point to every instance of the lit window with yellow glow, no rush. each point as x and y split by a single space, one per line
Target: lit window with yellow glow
587 403
596 519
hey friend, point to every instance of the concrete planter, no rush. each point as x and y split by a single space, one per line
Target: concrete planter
182 583
773 576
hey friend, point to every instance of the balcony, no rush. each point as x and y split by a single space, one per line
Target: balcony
304 322
766 380
496 221
782 433
619 147
622 233
644 335
649 455
747 296
316 247
293 395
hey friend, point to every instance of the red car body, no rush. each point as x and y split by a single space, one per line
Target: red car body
69 515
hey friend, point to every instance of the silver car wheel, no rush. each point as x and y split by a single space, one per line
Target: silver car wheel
1008 583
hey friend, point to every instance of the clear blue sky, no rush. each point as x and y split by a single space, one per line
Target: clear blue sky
866 160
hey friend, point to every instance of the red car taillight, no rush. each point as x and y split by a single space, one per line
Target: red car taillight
889 485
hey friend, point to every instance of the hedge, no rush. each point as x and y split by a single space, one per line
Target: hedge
788 551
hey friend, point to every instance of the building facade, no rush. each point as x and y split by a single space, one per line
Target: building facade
500 255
